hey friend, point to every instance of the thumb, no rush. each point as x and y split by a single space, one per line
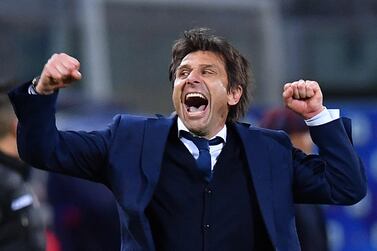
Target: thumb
76 75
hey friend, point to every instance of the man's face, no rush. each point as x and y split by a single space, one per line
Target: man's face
200 93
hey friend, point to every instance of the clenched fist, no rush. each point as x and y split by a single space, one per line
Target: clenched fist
303 97
59 71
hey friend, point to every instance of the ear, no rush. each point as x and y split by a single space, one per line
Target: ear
234 95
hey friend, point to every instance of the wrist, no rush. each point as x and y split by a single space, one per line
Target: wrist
34 83
36 87
313 114
327 115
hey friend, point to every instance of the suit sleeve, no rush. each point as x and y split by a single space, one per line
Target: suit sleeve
336 175
79 154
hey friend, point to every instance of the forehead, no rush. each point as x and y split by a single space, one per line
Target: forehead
203 58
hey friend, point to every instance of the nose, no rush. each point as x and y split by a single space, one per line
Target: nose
193 78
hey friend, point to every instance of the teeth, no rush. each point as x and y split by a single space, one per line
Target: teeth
196 95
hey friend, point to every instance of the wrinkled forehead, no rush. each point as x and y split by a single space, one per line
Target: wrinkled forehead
203 58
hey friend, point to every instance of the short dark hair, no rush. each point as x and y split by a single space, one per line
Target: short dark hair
236 66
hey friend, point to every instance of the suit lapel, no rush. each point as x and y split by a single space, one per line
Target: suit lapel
257 155
155 139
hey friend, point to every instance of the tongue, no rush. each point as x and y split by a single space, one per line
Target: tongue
197 109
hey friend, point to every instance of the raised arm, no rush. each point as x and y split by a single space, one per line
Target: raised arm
337 175
80 154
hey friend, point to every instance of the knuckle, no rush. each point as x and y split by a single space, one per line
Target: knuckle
72 66
313 83
49 62
53 57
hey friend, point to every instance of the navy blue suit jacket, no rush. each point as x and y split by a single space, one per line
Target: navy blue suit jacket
127 156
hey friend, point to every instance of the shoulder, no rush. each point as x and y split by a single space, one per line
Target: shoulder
278 136
129 118
138 119
136 123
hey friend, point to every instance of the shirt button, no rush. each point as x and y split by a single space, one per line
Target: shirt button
206 226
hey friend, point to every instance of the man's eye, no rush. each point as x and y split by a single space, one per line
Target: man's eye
183 73
208 72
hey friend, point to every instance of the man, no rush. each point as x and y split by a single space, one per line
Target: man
310 220
21 224
235 195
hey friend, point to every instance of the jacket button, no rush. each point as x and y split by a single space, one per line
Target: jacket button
208 190
206 226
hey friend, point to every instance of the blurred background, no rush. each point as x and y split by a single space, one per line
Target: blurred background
124 49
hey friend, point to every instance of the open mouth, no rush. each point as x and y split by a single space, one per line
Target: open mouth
195 102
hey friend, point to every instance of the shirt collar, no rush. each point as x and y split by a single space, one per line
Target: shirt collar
222 133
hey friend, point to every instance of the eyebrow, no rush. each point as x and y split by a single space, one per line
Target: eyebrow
187 66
